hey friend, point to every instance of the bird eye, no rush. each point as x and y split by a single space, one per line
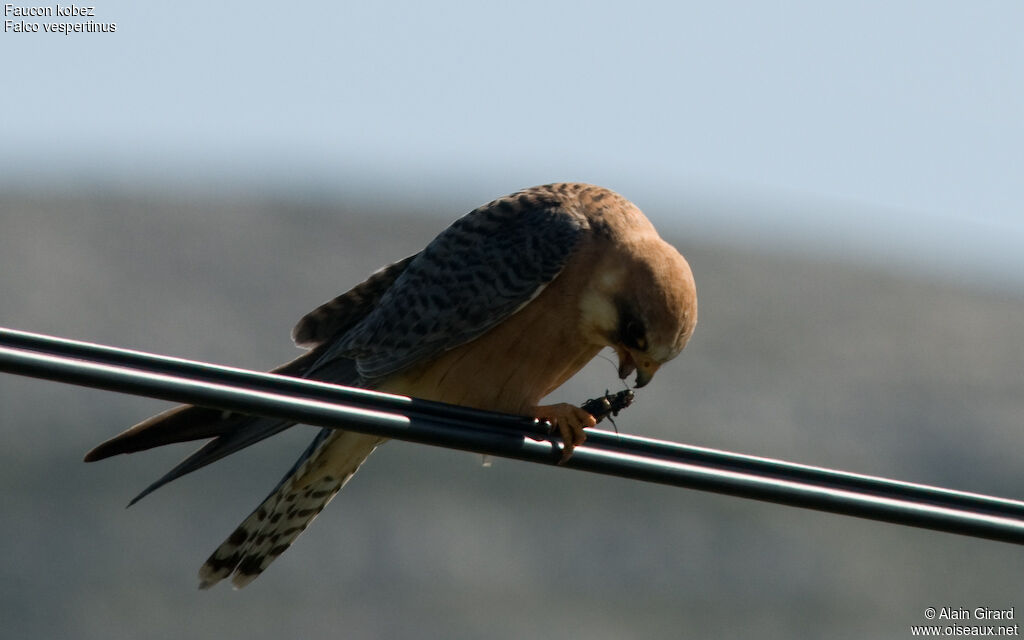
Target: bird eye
634 335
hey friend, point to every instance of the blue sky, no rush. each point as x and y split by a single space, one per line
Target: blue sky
893 120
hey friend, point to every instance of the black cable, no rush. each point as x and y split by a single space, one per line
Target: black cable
443 425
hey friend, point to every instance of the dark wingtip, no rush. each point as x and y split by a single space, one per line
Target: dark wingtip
120 443
179 424
97 453
148 490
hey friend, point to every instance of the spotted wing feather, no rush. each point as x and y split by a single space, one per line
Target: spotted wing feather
341 313
483 268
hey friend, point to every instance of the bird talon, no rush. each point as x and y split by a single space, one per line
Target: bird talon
570 422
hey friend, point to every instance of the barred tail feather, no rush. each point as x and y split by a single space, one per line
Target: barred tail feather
315 479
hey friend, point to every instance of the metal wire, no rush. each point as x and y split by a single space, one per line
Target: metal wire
438 424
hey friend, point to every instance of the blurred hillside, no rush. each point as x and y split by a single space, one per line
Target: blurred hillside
801 359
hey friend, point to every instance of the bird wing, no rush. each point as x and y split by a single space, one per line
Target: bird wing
483 268
338 315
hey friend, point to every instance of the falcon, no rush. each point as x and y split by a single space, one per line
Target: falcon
499 310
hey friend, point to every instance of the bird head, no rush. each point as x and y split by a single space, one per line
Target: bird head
650 312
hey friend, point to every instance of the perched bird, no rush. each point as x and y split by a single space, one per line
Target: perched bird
496 312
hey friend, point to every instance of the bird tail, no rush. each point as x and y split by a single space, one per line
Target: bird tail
185 423
331 459
230 431
327 464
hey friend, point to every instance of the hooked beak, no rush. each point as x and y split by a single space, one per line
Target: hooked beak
645 369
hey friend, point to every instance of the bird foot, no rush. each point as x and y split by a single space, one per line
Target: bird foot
569 421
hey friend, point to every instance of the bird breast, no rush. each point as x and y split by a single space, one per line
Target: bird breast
512 366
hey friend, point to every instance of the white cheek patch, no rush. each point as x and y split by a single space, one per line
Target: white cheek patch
598 313
611 279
